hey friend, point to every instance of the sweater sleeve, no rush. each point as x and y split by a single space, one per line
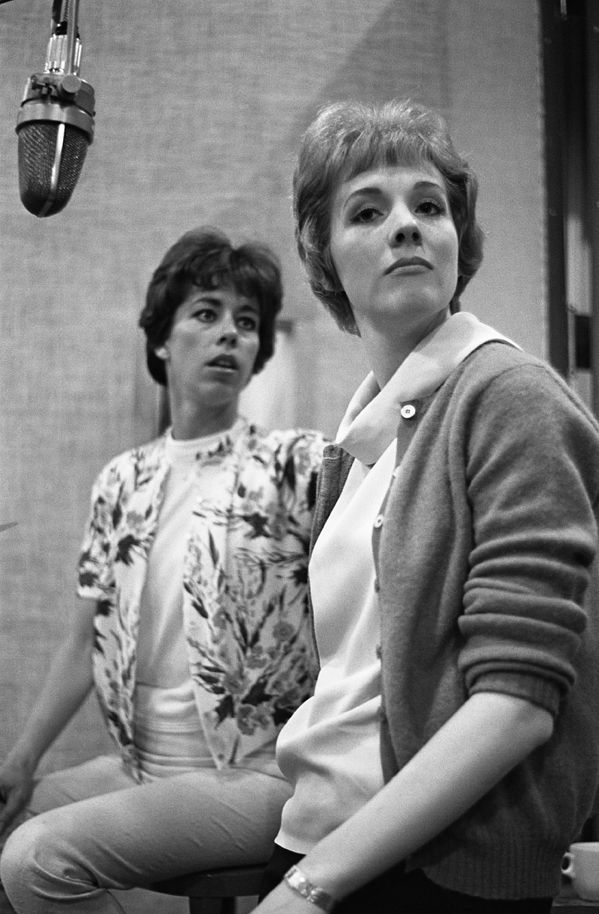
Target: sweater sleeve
532 480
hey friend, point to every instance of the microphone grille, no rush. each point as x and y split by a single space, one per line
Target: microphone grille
48 173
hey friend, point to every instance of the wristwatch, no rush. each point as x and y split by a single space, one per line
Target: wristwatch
296 880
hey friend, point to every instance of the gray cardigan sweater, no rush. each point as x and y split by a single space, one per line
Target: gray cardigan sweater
484 556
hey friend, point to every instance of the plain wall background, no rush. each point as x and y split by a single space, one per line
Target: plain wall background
200 105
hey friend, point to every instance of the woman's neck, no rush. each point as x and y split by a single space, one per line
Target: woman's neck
385 352
190 421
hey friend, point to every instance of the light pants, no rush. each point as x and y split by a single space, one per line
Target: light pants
94 830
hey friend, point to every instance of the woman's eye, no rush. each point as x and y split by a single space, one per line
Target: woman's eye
249 323
205 315
365 214
430 208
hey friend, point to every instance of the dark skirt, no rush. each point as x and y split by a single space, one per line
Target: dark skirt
398 892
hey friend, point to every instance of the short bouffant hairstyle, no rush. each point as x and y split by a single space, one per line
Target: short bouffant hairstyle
205 258
348 138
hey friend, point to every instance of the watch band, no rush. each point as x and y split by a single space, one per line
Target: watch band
296 880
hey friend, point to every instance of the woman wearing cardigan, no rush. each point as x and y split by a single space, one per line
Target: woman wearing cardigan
450 752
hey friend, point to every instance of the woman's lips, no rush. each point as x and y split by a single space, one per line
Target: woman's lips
224 362
406 264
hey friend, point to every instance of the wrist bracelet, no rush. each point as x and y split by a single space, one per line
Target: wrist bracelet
296 880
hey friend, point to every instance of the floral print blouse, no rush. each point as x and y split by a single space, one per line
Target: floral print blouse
245 601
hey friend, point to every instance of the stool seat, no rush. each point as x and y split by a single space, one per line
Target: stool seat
214 891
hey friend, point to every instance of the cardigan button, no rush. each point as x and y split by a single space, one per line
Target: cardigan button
408 411
378 522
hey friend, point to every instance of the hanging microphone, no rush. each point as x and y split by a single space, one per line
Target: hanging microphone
55 124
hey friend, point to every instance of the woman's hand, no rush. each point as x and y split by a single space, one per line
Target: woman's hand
16 787
283 900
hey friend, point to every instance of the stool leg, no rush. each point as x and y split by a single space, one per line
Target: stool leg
210 906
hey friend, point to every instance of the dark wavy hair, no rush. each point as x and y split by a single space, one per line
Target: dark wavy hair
204 258
348 138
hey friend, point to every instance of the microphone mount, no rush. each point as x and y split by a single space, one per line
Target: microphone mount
64 47
60 82
74 102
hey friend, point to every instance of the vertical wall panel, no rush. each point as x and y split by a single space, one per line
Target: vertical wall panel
496 116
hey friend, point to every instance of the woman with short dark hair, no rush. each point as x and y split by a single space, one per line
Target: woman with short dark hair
193 624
